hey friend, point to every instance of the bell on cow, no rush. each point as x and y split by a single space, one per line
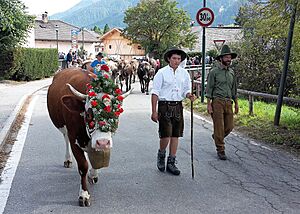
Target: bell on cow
98 159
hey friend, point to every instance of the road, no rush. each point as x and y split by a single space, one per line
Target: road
254 179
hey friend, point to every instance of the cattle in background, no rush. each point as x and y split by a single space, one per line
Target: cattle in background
145 74
113 65
125 74
135 65
68 112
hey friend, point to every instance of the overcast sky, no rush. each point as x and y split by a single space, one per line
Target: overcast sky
37 7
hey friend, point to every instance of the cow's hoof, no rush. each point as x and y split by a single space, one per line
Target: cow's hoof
68 164
84 202
147 93
93 180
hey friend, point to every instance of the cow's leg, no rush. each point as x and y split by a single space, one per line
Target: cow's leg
84 196
147 86
93 176
68 158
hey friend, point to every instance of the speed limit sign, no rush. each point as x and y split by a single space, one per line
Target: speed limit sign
205 16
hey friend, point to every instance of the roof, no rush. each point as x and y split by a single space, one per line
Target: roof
110 32
47 31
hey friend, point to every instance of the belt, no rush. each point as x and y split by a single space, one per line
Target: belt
169 102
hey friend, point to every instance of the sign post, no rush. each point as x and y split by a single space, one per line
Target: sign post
205 17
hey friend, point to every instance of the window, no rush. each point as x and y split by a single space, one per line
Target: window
139 47
109 46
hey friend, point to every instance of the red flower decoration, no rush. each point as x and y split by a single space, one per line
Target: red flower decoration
92 94
120 98
91 124
102 123
121 110
107 109
117 113
118 91
94 103
105 96
106 76
104 68
89 86
119 106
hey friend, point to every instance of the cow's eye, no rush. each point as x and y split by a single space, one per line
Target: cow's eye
89 114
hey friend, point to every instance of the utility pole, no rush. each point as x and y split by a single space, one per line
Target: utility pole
285 65
82 38
203 61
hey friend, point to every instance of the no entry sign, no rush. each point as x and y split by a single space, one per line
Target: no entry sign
205 16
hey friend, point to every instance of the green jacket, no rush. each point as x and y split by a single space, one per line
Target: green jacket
221 83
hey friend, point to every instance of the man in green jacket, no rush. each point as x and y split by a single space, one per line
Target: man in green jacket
221 93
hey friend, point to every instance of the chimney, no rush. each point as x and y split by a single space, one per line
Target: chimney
45 17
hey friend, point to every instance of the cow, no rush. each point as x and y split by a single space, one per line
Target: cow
145 74
70 111
126 72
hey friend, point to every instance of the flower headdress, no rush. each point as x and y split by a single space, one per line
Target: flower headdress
105 100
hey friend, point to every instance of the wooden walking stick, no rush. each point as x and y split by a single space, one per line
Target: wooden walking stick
192 128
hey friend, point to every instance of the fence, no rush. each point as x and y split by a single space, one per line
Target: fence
250 94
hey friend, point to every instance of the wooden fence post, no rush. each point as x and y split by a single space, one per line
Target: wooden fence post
251 101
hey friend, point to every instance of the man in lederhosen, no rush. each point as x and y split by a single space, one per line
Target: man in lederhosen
171 85
221 93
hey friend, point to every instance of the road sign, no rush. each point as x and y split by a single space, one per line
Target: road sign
205 16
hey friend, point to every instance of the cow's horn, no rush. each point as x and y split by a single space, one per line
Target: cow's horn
127 93
77 93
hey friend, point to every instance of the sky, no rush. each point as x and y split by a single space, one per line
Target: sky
37 7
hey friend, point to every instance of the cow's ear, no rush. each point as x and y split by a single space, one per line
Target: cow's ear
72 103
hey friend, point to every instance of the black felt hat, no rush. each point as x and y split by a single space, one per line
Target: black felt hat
226 51
174 50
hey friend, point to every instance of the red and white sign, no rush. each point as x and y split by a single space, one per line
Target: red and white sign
205 17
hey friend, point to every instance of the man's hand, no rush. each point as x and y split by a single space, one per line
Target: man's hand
154 117
236 108
192 97
209 108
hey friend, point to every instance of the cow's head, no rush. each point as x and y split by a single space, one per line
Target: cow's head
101 111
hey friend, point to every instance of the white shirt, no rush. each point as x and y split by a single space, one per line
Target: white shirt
171 86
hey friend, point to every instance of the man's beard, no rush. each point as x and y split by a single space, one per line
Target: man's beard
226 63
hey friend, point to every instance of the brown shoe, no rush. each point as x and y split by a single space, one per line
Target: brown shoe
222 155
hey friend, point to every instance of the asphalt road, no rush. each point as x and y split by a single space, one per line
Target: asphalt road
254 179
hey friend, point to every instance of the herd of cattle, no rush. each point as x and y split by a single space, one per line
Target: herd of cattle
124 72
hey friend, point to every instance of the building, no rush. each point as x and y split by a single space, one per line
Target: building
216 36
58 34
114 45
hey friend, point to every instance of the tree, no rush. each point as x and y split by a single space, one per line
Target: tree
15 24
97 30
262 50
106 29
158 25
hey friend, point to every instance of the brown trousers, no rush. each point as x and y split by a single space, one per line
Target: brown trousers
223 121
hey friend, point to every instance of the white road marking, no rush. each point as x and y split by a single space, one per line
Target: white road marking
14 158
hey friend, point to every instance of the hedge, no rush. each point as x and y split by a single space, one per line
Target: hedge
28 63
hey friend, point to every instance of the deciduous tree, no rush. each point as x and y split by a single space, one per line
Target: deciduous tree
158 25
14 23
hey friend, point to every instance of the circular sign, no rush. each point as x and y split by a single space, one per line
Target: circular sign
205 16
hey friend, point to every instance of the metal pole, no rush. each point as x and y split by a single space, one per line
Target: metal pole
192 128
285 66
203 61
82 39
57 39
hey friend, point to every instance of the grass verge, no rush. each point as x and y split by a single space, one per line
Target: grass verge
260 126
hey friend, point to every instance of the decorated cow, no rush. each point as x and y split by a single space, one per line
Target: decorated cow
85 107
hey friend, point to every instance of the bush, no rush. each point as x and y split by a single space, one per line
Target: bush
28 64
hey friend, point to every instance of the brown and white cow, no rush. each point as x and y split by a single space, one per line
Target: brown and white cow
68 112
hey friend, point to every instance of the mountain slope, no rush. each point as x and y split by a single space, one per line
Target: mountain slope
89 13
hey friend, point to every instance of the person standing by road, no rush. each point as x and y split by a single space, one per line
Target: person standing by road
171 85
221 93
69 58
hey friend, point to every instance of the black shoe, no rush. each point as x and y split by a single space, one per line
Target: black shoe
161 162
222 155
171 167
